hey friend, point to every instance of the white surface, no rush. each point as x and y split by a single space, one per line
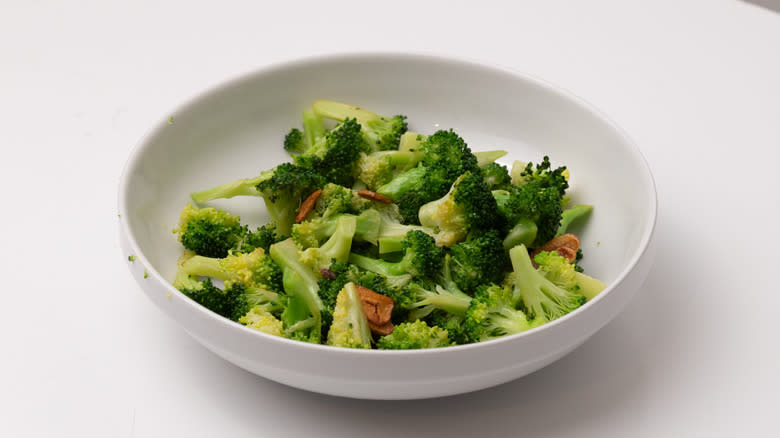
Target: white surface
694 83
235 131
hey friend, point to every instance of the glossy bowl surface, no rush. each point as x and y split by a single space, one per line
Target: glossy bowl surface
236 129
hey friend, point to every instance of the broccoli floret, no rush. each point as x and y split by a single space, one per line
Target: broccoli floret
392 232
572 215
414 335
421 258
311 233
293 141
492 314
252 269
532 211
469 205
230 303
297 142
335 157
350 327
540 297
262 237
379 133
303 315
445 157
377 169
546 176
496 176
421 301
336 248
262 320
563 273
479 260
452 323
209 232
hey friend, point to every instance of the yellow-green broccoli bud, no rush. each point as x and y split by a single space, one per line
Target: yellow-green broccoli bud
350 327
260 319
414 335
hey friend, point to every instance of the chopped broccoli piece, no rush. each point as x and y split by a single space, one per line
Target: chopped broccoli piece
262 320
414 335
379 168
492 314
350 327
293 141
533 210
496 176
421 258
541 298
209 232
262 237
485 158
241 187
563 273
310 233
251 269
336 248
469 205
379 133
479 260
335 157
572 215
230 303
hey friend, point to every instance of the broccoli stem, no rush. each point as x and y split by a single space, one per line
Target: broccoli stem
201 266
402 183
341 111
313 128
285 254
486 157
402 160
523 233
410 141
379 266
571 215
242 187
390 244
340 243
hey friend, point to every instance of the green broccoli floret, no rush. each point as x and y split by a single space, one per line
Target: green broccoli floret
378 168
445 157
379 133
335 157
540 297
563 273
546 176
479 260
421 301
336 199
414 335
421 258
297 142
452 323
492 314
230 303
350 327
209 232
532 211
392 232
311 233
496 176
252 269
293 141
336 248
303 315
262 320
468 206
262 237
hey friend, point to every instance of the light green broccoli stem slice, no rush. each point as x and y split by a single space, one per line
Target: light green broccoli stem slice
304 283
588 286
341 111
390 244
313 128
350 327
410 141
241 187
486 157
523 233
453 302
381 266
573 215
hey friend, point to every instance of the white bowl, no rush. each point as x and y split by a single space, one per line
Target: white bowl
236 130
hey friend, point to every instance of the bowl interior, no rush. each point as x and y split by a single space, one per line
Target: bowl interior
236 131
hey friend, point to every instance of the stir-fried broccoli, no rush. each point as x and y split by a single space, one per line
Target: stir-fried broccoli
414 335
384 238
468 206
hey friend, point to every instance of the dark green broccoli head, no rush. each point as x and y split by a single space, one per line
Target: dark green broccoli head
293 141
446 156
479 260
421 256
409 206
285 189
452 323
209 232
479 206
496 176
230 303
262 237
545 176
537 203
335 157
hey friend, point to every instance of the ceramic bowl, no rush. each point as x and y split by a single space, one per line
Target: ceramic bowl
236 129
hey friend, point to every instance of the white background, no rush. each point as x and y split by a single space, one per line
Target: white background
695 83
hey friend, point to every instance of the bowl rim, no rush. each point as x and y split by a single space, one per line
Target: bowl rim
251 75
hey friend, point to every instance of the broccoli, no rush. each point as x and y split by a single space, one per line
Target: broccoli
442 294
209 232
241 187
496 176
392 232
545 175
230 303
479 260
540 297
350 327
297 142
260 319
335 157
563 273
469 205
410 141
378 168
571 215
379 133
485 158
337 248
414 335
492 314
310 233
445 157
252 269
421 258
452 323
533 212
262 237
303 315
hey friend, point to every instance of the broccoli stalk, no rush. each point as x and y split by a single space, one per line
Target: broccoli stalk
446 296
297 142
469 205
485 158
380 133
421 258
336 248
541 298
350 327
414 335
252 269
563 273
311 233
